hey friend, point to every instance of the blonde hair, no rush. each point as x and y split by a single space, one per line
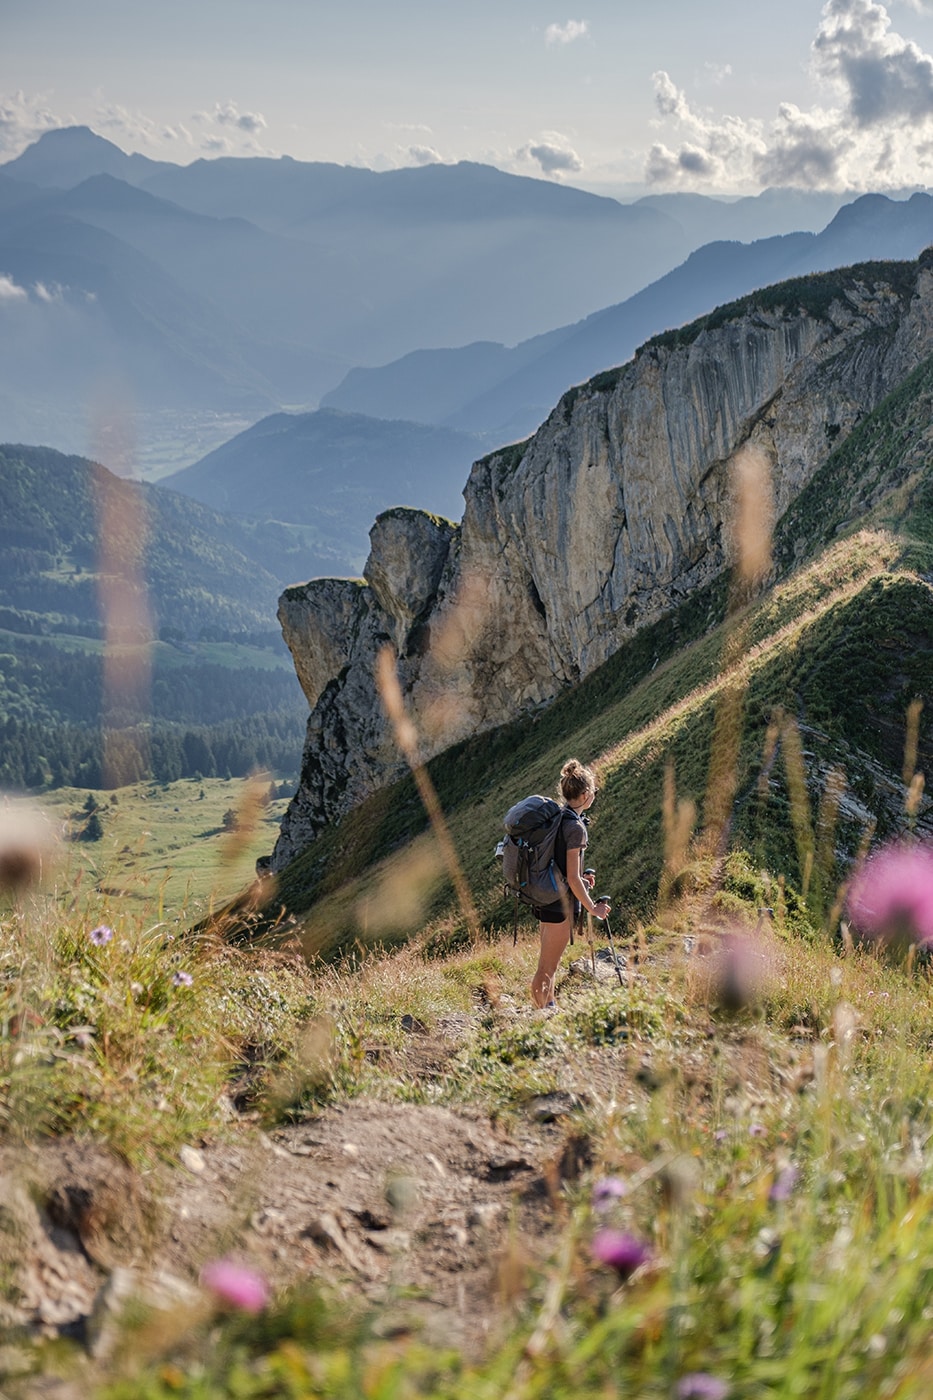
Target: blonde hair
575 780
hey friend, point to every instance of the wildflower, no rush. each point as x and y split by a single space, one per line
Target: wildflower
721 1134
182 979
235 1285
891 898
757 1130
620 1250
700 1385
783 1184
607 1190
100 935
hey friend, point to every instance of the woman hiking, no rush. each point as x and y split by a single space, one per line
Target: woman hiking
577 791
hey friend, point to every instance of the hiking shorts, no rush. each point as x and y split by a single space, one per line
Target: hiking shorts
556 913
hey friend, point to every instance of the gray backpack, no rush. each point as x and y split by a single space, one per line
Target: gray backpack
528 866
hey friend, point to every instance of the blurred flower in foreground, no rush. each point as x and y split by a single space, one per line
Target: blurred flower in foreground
235 1285
782 1186
620 1250
736 965
891 898
182 979
700 1385
25 845
100 935
607 1190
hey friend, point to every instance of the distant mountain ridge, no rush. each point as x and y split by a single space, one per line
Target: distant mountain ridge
282 275
333 472
490 389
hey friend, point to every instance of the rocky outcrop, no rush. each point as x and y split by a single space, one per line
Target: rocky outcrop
603 521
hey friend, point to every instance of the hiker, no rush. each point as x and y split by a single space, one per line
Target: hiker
577 791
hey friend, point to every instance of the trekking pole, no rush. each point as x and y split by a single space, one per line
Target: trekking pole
589 926
615 957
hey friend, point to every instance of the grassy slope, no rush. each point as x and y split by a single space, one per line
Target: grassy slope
842 644
164 848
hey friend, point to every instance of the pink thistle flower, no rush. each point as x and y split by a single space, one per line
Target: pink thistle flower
100 935
891 898
607 1190
620 1251
236 1286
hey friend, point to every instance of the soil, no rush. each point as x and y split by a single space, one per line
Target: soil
434 1216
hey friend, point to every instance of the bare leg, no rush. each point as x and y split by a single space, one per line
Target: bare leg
554 939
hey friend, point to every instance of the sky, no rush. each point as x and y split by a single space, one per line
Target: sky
623 97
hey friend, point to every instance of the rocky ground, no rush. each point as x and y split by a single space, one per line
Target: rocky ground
432 1214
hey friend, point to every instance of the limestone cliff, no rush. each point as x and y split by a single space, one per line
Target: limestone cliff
605 519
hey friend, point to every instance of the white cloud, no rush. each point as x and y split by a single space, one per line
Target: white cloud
230 131
54 293
566 33
23 119
423 155
9 291
553 154
877 130
228 114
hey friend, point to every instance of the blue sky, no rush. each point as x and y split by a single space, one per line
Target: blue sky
727 96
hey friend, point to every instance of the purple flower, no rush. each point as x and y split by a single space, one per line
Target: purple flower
782 1186
891 898
182 979
700 1385
757 1130
620 1250
100 935
607 1190
235 1285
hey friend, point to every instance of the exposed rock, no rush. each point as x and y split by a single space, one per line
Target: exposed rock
606 519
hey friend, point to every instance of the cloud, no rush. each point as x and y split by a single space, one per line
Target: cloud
882 77
228 131
22 120
553 153
54 293
423 155
566 33
228 114
876 130
9 291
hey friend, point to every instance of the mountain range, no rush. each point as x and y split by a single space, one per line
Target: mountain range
332 472
500 392
260 283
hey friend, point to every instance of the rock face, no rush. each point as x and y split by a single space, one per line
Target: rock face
612 513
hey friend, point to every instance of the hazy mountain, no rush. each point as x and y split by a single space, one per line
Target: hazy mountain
333 472
490 389
387 261
91 310
765 215
66 156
